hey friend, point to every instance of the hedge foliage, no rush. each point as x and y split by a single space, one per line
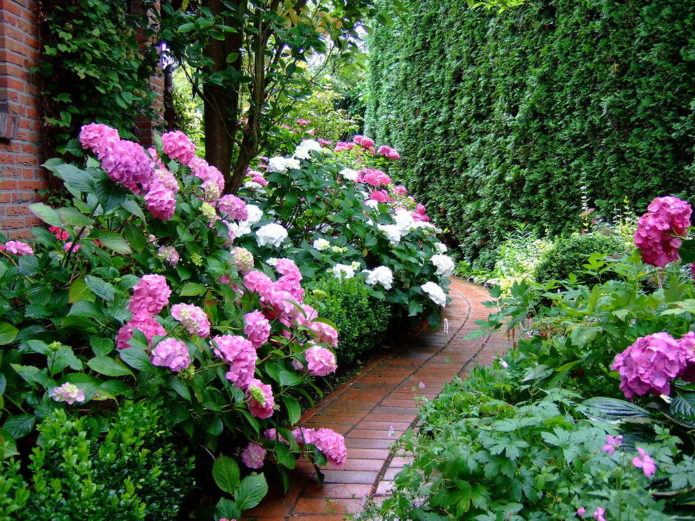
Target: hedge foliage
512 117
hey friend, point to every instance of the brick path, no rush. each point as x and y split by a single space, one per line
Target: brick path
373 409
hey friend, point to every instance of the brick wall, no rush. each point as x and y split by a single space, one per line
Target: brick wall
20 139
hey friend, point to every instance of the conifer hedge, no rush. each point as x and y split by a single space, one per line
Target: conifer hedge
512 117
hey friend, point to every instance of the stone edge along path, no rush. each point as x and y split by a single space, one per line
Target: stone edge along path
376 407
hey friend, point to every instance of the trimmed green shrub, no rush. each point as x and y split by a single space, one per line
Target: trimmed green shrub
13 490
132 471
568 255
514 116
362 320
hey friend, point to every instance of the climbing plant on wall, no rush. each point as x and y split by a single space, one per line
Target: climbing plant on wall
508 117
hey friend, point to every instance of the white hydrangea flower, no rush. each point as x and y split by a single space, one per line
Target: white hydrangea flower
444 263
255 214
435 292
277 164
371 203
304 149
273 261
253 186
380 275
355 265
350 174
427 226
293 164
321 244
441 247
404 221
343 271
271 234
239 229
338 249
392 232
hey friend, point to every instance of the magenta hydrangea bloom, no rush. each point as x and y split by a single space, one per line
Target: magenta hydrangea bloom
253 456
342 146
261 400
258 282
290 284
171 353
687 342
288 268
324 333
208 173
18 248
70 245
644 462
166 179
388 152
278 303
150 295
320 361
666 218
240 354
177 146
234 207
98 138
272 434
257 328
127 163
193 319
650 363
303 435
375 178
400 190
308 316
160 201
363 141
145 323
331 444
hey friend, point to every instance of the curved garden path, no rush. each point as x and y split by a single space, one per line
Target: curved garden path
375 407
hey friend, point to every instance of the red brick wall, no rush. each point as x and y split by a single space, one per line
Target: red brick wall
20 139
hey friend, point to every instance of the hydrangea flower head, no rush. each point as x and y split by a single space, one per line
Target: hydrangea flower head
193 319
330 444
18 248
261 400
128 163
68 393
658 230
171 353
169 255
253 456
324 333
288 268
444 264
388 152
271 235
363 141
160 201
177 146
321 244
150 295
144 323
343 271
342 146
435 293
240 354
258 282
233 207
243 259
257 328
380 196
350 174
208 174
320 361
380 275
98 138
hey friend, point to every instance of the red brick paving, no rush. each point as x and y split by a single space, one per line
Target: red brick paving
373 409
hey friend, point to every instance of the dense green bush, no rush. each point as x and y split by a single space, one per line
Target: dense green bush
569 254
514 116
131 471
361 319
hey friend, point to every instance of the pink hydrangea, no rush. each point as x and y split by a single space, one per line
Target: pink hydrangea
253 456
169 255
177 146
272 434
320 361
68 393
171 353
18 248
291 285
308 316
331 444
72 246
258 282
144 323
420 213
208 173
364 141
240 354
234 207
193 319
325 142
379 196
342 146
687 343
59 233
261 400
279 303
150 295
166 179
127 163
400 190
98 138
388 152
666 218
258 178
303 435
303 122
160 201
644 462
257 328
650 363
375 177
324 333
288 268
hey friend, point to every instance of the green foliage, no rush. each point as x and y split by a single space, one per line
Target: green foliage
361 319
513 116
569 255
93 66
188 108
14 493
120 468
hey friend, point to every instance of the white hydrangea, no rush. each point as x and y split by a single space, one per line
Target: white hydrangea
350 174
271 234
321 244
255 214
444 264
277 164
293 164
441 247
304 149
355 265
372 203
435 292
380 275
253 186
392 232
239 229
343 271
273 261
338 249
404 221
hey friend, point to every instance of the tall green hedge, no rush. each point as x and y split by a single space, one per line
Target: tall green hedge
511 117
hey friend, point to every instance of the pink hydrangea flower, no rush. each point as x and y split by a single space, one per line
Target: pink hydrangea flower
324 333
272 434
612 443
171 353
290 284
72 246
666 217
307 316
127 163
303 435
234 207
169 255
331 444
342 146
257 328
325 142
177 146
59 233
253 456
18 248
687 343
160 201
388 152
375 177
303 122
150 295
261 400
279 303
258 282
379 196
208 173
644 462
400 190
320 361
363 141
144 323
650 363
68 393
259 179
98 138
288 268
240 354
166 179
193 319
581 511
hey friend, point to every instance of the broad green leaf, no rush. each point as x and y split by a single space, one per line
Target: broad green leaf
7 333
225 472
180 388
112 241
74 177
100 287
19 426
252 490
3 384
70 216
136 358
46 214
33 375
192 289
615 410
294 410
227 509
8 445
285 457
109 366
79 291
